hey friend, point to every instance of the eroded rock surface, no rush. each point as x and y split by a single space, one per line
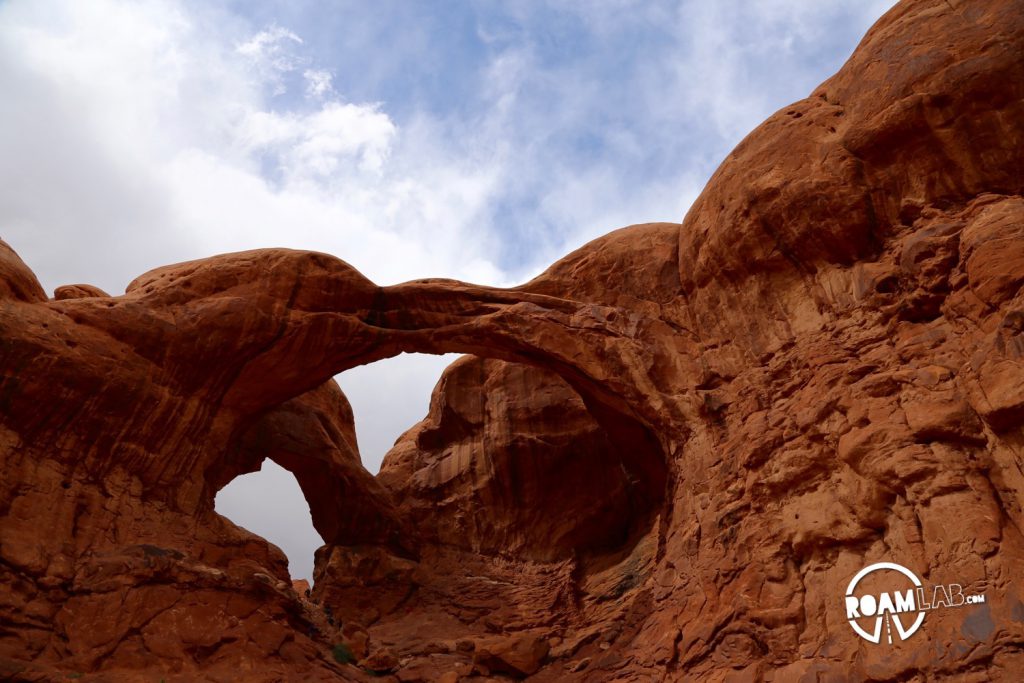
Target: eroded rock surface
665 458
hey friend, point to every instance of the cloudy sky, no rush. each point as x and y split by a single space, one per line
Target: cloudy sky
475 140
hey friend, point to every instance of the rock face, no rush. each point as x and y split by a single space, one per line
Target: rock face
497 467
667 458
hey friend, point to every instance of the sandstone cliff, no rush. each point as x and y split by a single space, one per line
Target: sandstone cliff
663 459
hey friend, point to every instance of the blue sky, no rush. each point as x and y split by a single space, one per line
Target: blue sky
475 140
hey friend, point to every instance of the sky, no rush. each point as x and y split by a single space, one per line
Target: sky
474 140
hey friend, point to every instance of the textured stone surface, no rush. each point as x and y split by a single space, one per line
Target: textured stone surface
78 292
684 442
497 467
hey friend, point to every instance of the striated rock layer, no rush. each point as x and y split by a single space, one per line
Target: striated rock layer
665 458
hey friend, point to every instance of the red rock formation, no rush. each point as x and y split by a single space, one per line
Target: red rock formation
78 292
684 444
498 464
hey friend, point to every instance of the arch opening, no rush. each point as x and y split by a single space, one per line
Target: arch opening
270 504
388 397
509 459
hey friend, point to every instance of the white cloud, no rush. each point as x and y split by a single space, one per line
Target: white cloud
323 143
318 83
272 53
270 46
141 139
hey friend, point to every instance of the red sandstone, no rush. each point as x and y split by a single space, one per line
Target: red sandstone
663 459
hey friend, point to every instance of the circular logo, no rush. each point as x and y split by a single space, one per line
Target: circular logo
894 607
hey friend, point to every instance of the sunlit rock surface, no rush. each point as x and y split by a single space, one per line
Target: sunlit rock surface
664 459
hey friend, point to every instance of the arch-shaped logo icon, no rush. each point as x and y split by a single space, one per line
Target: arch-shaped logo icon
889 607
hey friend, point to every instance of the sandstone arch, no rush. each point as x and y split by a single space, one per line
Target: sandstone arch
826 352
369 323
